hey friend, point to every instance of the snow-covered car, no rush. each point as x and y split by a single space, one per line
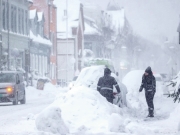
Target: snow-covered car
160 84
12 88
71 84
89 77
133 82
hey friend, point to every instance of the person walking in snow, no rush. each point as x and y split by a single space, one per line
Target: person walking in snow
149 84
105 85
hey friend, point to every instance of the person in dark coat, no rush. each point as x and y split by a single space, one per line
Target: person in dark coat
149 84
105 85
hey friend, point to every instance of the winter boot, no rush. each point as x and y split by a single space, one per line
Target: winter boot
151 113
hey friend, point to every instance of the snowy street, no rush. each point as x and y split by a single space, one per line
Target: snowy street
89 67
13 117
83 111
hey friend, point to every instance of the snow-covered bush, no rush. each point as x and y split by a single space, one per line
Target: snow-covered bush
50 120
174 85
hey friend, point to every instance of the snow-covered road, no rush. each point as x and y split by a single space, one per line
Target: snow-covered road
12 117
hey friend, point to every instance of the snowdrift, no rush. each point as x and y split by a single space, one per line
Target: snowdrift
49 91
85 111
50 120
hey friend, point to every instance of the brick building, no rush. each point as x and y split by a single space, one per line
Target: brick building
47 8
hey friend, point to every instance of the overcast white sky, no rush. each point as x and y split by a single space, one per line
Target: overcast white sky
153 19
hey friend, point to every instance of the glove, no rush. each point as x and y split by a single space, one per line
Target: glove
141 88
114 93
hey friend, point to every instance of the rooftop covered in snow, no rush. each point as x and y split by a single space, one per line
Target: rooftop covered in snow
40 39
72 12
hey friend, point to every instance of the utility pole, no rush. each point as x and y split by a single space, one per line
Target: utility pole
8 57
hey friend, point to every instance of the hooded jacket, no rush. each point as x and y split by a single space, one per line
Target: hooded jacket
107 81
148 81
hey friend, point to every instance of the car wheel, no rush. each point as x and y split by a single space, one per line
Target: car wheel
23 101
15 102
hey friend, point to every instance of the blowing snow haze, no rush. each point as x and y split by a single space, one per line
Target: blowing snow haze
155 20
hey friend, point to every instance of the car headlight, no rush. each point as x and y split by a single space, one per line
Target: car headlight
9 89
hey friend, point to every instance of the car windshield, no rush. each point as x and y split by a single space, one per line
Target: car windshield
7 77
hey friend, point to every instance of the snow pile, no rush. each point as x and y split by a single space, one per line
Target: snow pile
175 117
49 91
50 120
84 110
133 81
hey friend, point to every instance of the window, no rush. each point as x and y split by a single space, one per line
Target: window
26 22
15 19
52 40
4 15
19 20
12 18
51 13
22 20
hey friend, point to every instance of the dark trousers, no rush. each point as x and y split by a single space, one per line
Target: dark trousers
108 94
149 99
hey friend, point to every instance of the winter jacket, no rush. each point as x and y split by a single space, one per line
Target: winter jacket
106 82
148 81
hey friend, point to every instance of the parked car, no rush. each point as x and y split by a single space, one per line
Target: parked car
12 87
89 77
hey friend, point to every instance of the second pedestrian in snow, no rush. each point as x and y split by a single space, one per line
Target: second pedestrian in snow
105 85
149 84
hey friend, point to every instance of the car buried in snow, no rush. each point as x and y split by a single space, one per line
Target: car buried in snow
89 77
12 87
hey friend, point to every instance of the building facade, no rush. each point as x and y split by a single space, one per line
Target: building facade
70 40
93 39
14 31
47 10
40 47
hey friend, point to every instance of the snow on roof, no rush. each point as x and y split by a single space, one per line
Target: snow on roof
88 18
40 16
73 14
39 39
32 14
117 18
90 30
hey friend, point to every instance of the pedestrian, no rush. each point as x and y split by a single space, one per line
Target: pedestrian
149 84
105 85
